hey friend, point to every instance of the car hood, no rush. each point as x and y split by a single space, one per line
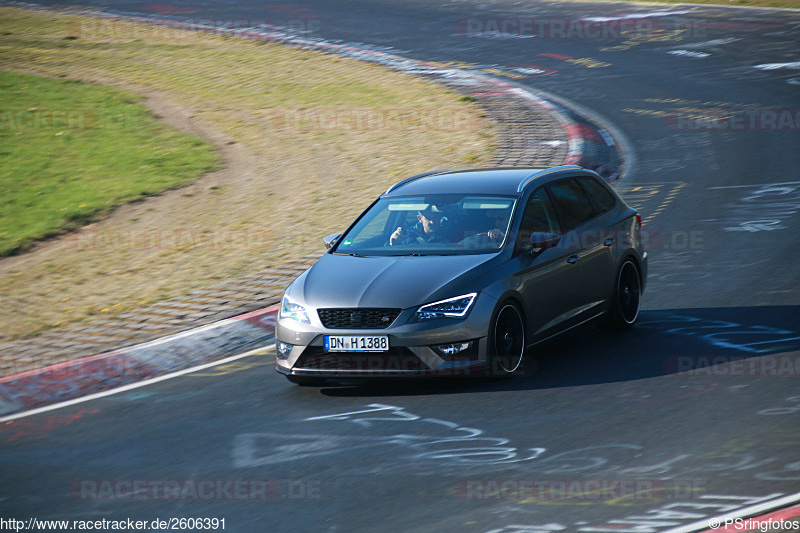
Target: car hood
381 281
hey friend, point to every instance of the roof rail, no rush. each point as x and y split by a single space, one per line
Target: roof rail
423 175
547 172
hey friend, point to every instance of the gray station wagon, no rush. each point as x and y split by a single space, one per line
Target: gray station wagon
458 272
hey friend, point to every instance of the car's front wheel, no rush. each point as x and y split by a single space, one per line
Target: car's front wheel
624 309
506 340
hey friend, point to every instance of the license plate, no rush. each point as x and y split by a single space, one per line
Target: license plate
356 343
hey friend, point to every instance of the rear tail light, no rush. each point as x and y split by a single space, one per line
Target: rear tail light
639 219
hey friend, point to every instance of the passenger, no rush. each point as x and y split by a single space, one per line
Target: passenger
498 222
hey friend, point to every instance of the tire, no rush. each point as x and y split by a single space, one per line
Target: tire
506 341
626 300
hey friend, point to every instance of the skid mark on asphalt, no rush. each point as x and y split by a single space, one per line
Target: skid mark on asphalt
792 408
668 481
424 439
761 207
747 338
669 518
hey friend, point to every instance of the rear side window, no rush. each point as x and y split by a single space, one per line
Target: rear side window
573 205
603 199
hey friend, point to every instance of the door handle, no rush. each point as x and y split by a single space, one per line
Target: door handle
572 260
608 242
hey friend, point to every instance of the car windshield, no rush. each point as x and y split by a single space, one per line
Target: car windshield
437 224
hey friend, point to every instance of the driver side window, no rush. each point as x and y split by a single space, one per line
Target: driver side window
538 216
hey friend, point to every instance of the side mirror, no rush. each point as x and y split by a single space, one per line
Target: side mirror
330 240
541 241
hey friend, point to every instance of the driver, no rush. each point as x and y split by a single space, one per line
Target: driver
431 226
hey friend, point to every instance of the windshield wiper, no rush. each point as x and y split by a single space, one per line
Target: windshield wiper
351 254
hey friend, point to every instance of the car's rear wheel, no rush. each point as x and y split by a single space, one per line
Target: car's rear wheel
506 340
627 296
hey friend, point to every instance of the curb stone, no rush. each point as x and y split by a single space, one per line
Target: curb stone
72 379
233 317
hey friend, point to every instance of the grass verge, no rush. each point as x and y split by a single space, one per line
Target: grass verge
308 140
70 151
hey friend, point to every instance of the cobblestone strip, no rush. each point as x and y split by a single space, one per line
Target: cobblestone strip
196 309
531 133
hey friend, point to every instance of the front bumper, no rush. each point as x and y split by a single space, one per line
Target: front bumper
375 368
411 351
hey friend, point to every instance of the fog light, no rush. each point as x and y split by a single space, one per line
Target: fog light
458 351
452 348
283 350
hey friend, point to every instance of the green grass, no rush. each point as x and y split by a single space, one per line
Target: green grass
242 94
70 151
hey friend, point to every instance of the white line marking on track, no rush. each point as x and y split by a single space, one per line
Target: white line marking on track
744 512
635 16
131 386
754 185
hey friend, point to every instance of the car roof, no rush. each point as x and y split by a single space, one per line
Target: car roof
506 181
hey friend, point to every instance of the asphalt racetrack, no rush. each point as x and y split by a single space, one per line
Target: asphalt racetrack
692 414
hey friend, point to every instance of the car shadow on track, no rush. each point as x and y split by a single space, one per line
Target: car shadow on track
702 342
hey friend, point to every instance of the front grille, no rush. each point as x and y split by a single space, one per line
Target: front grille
357 318
396 359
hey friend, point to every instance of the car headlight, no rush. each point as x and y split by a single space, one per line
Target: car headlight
451 308
293 310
